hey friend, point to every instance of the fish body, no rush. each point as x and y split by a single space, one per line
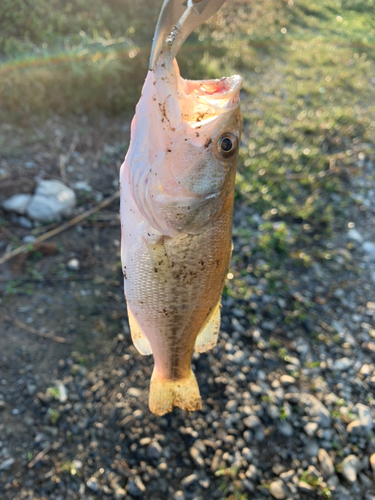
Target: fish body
177 191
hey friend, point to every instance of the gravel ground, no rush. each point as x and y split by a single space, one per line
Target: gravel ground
288 406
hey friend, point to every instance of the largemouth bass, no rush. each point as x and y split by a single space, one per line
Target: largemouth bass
177 191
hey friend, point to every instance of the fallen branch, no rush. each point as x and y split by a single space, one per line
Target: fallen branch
38 457
61 228
32 330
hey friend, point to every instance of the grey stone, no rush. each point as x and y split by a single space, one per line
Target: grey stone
7 464
355 429
326 463
365 417
285 429
196 456
252 422
51 201
342 364
93 484
277 490
25 222
231 406
190 485
154 451
355 235
29 238
17 203
369 249
252 473
82 186
312 449
135 487
305 487
287 476
247 454
350 467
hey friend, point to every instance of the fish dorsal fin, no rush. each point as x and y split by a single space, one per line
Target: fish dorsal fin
139 339
207 337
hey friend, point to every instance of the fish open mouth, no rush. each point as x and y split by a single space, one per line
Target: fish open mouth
223 93
201 101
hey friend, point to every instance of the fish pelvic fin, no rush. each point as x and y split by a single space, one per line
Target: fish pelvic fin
165 394
207 337
139 339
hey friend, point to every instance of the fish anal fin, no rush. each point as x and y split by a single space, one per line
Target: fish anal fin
139 339
165 394
207 337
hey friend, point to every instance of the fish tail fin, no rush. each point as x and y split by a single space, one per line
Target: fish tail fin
165 394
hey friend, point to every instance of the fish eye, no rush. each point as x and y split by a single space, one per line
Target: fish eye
227 144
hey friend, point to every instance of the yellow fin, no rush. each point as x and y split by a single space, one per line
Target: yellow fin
165 394
207 337
139 339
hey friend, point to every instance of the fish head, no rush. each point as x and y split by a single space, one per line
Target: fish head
184 148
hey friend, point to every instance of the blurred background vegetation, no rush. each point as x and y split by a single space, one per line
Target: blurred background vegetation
308 106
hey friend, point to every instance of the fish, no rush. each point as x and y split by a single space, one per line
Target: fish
176 203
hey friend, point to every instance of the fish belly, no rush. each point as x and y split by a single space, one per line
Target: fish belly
173 287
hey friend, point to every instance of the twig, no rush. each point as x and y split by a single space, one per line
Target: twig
32 330
61 228
38 457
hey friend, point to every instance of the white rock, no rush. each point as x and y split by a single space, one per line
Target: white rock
343 364
29 238
277 490
311 428
350 467
51 201
326 464
93 484
82 186
7 464
63 393
365 417
17 203
369 248
73 265
355 235
25 222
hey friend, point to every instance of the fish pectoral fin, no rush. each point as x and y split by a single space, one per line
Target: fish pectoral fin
139 339
207 337
165 394
158 254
